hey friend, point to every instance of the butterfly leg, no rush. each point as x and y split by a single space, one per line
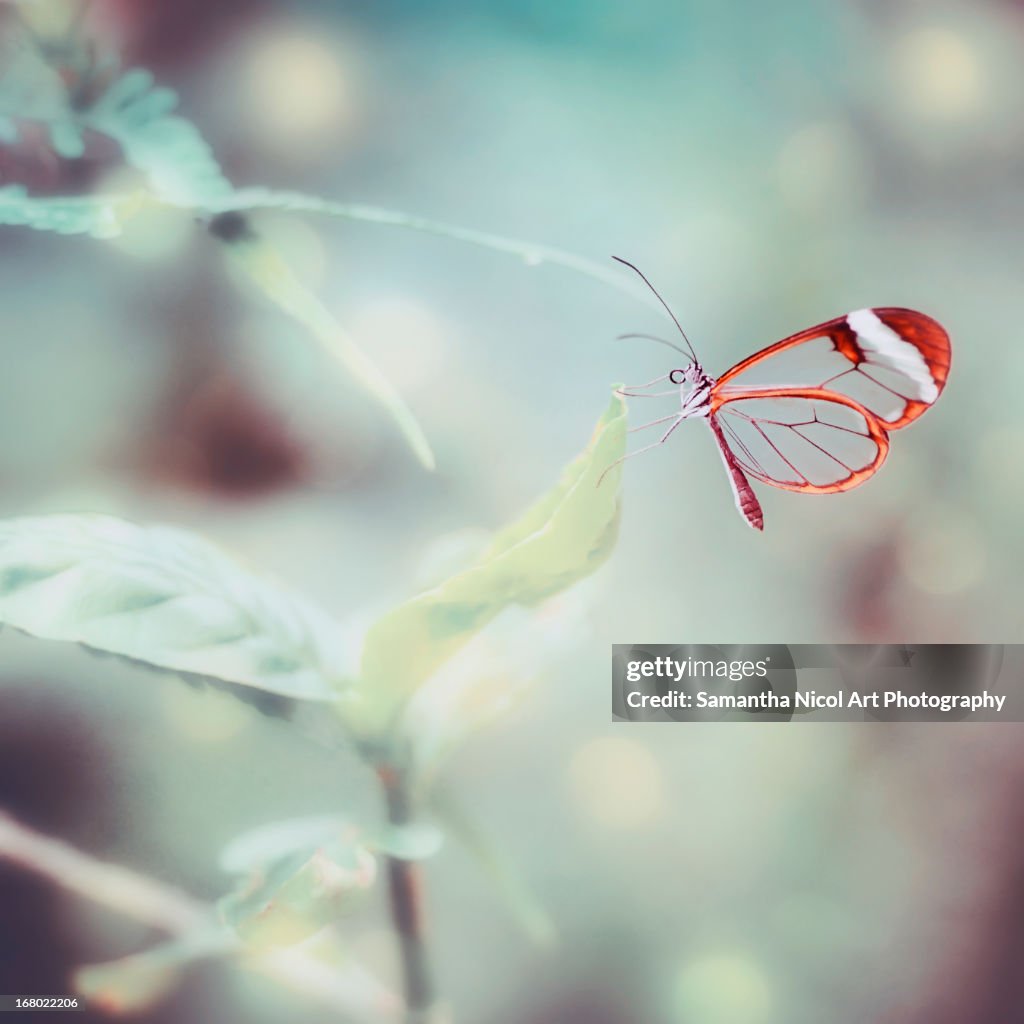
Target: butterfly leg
646 394
654 423
664 437
649 384
639 390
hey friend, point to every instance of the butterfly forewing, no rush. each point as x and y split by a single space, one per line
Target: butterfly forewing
802 439
893 362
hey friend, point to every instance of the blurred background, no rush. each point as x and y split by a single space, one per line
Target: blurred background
768 167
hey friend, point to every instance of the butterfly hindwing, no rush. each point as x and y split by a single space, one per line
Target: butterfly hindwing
809 440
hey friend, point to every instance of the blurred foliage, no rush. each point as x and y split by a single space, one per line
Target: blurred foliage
291 899
88 215
166 598
265 267
133 984
169 599
179 168
562 538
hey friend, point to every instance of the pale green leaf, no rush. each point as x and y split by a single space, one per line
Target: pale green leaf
67 140
322 971
137 114
164 597
415 841
520 901
262 263
267 844
483 680
134 983
294 897
166 148
561 539
30 89
99 216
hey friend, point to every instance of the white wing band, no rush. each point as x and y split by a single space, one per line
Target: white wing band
893 353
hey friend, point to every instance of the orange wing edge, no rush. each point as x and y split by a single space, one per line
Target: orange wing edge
875 431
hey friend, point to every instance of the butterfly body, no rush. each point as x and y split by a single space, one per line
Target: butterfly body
820 422
695 390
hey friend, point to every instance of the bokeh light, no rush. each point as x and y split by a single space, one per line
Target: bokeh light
617 783
724 989
941 74
946 554
296 89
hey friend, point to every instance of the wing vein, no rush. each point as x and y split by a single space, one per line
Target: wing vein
824 451
771 444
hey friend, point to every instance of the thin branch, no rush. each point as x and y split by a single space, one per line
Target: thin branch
530 252
243 199
135 896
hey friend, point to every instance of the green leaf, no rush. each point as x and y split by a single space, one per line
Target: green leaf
264 266
166 148
484 679
164 597
265 845
561 539
293 897
137 114
99 216
415 841
30 89
267 850
133 983
67 140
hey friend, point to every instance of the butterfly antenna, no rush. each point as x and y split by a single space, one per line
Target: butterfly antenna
652 337
639 272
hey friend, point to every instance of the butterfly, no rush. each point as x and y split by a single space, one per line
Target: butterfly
813 412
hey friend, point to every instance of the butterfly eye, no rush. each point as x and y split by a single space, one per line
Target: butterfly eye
677 376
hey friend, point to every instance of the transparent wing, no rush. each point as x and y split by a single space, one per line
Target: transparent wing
894 362
808 439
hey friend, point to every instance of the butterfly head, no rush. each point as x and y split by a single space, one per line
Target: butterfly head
684 375
694 389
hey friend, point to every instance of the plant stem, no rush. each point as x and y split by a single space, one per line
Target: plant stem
532 253
405 889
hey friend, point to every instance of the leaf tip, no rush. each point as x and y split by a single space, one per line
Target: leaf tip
426 456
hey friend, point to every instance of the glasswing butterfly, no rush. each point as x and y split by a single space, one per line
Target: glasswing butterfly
813 412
